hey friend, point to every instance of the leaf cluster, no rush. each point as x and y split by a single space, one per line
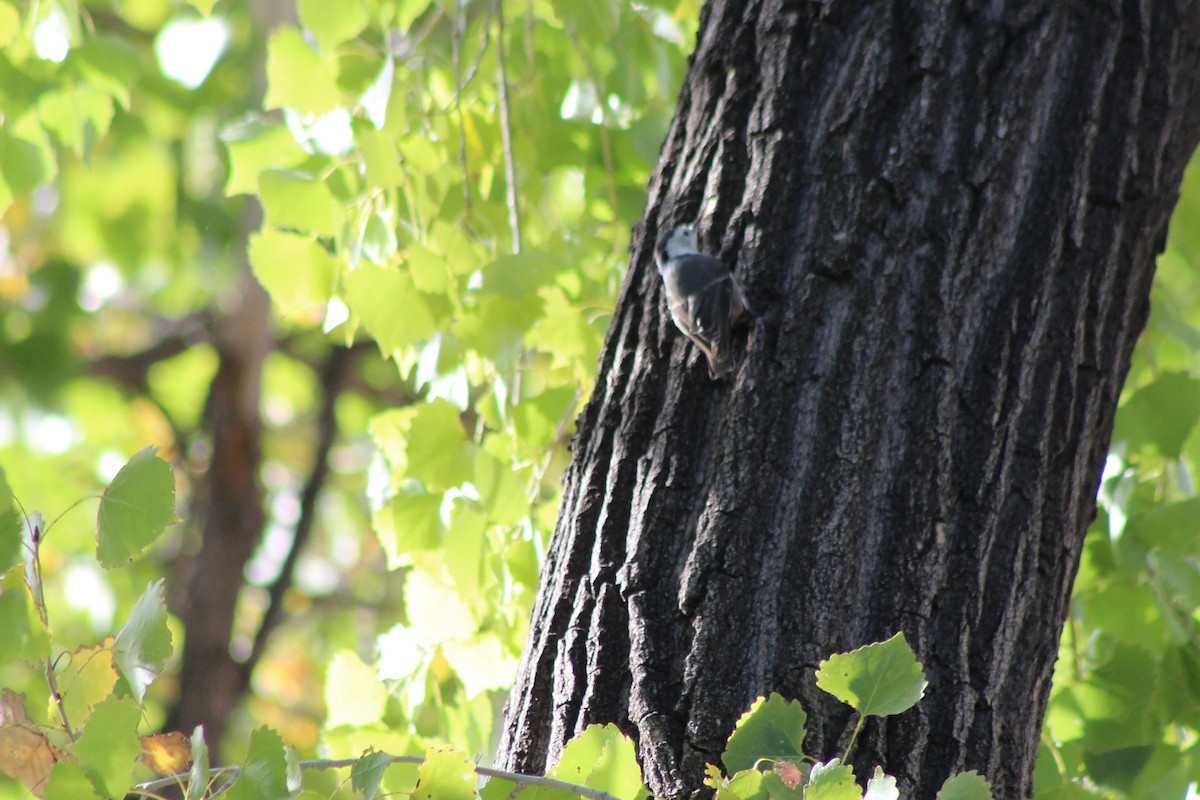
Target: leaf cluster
764 758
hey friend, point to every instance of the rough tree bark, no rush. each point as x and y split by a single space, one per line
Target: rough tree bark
946 216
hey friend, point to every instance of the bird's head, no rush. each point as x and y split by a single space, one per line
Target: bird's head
681 241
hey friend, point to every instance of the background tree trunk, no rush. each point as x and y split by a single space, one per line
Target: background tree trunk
946 217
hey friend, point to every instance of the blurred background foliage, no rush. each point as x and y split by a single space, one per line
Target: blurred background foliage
437 197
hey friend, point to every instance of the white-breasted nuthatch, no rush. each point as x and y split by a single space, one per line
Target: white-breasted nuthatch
703 296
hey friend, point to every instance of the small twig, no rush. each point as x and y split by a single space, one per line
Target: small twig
429 26
145 789
487 40
456 40
602 99
510 169
529 54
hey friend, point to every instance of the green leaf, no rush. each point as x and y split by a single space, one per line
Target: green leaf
1172 527
22 636
516 277
1161 415
332 23
108 748
481 662
881 787
68 781
10 528
965 786
429 271
136 508
88 678
293 199
10 23
503 492
831 780
265 774
77 116
877 680
110 64
409 523
353 694
255 145
144 644
540 419
390 306
199 775
367 772
773 728
437 449
297 77
380 158
749 784
295 270
27 158
446 774
603 758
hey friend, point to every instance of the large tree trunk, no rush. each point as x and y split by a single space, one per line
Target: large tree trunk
946 216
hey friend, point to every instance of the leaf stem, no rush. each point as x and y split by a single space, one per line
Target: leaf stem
858 726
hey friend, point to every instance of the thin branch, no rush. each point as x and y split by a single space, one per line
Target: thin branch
510 170
529 54
487 39
146 789
131 370
457 39
424 32
602 99
332 381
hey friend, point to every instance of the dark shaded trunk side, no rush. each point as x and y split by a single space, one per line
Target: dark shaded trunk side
946 217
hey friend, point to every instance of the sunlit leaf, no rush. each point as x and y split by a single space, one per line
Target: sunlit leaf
965 786
332 23
772 728
832 780
295 270
108 748
199 776
143 645
254 145
446 775
87 678
298 77
136 508
877 680
602 758
264 773
881 787
390 306
166 753
293 199
353 695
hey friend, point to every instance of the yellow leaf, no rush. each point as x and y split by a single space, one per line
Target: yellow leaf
166 753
